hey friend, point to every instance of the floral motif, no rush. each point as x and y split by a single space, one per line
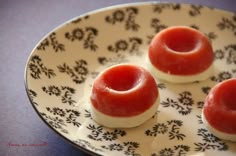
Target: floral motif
70 114
86 35
228 24
78 73
231 51
131 45
200 104
206 89
99 134
119 58
128 148
224 75
32 94
219 54
199 117
126 16
87 114
209 142
183 104
157 25
73 115
159 7
37 68
176 150
195 10
55 122
172 127
56 111
63 91
53 42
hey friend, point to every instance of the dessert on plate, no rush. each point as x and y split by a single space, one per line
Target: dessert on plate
124 96
219 110
180 54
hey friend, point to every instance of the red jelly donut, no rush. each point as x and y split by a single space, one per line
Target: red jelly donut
219 111
181 54
124 96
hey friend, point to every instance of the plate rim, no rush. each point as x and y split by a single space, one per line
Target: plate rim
63 24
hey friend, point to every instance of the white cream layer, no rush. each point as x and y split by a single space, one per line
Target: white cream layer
177 78
217 133
124 122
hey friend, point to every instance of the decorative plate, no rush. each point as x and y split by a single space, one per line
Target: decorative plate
62 67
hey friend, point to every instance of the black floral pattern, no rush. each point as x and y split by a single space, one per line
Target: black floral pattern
183 104
127 17
87 35
37 68
206 89
223 75
56 122
195 10
99 134
209 142
70 115
219 54
172 128
131 45
128 148
179 150
228 24
77 73
64 92
32 95
53 42
56 111
87 114
160 7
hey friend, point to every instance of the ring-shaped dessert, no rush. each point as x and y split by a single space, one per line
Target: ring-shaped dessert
124 95
181 54
219 111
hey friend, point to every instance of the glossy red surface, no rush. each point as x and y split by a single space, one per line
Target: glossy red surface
124 90
181 50
220 107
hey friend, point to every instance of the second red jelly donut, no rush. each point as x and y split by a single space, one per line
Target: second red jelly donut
181 54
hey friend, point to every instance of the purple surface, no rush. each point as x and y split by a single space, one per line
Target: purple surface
22 24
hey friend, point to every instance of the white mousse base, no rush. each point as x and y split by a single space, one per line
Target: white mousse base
217 133
124 122
177 78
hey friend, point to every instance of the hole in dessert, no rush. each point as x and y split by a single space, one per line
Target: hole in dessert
180 40
122 78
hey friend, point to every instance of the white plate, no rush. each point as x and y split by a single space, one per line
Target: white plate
62 67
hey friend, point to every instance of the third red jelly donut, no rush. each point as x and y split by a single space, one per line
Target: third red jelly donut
124 96
219 111
181 54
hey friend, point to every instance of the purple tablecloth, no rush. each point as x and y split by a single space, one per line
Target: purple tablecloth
22 24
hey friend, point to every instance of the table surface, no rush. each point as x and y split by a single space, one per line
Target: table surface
22 24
